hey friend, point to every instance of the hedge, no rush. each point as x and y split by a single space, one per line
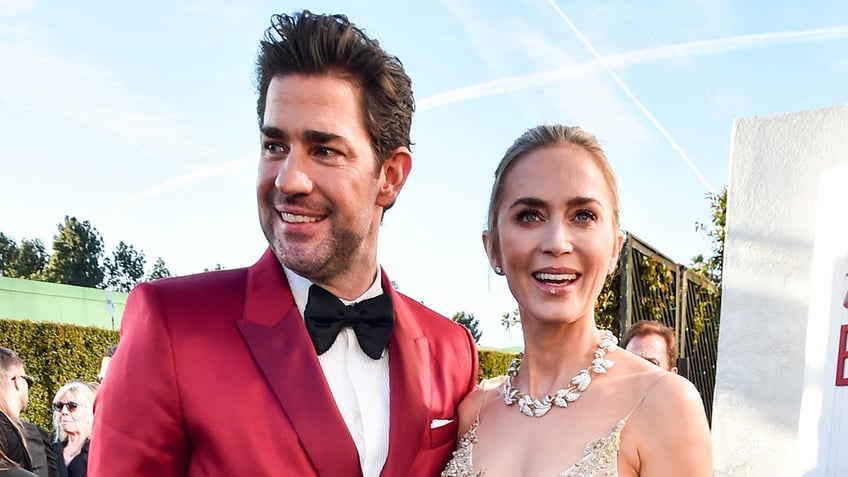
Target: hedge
54 354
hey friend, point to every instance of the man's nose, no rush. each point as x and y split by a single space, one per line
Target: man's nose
294 175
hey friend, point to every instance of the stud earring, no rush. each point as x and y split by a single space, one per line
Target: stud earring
499 271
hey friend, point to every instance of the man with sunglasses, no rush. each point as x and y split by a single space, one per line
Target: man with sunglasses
14 396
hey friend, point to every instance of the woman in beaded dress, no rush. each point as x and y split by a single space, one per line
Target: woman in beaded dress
572 404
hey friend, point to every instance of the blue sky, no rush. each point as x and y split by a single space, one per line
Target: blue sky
140 117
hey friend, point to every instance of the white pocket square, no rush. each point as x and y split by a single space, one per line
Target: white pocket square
437 423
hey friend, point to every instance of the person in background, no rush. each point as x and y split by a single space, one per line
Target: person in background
14 397
653 341
8 468
571 403
104 363
309 362
73 417
40 450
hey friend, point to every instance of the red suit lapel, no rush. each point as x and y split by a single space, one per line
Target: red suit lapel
409 387
274 331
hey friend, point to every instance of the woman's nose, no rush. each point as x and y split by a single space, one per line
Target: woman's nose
558 239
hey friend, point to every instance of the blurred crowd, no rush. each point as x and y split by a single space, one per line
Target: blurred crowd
28 450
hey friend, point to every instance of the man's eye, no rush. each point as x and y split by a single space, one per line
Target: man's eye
325 151
274 147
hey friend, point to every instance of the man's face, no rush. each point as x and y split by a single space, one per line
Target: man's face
21 387
319 192
651 347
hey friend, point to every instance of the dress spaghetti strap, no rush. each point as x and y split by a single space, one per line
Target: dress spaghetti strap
645 394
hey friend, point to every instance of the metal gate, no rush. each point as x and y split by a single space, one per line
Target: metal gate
653 287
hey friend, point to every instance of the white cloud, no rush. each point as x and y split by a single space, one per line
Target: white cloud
87 94
11 8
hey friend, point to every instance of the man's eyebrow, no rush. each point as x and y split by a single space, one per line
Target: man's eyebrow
321 136
309 136
272 132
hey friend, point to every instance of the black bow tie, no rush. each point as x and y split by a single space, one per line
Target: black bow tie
372 321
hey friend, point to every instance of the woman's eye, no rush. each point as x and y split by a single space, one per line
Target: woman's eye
529 215
585 216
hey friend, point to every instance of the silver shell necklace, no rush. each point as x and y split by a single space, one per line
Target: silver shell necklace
539 407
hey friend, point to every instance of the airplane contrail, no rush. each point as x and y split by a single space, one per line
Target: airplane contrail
187 178
544 78
600 59
682 50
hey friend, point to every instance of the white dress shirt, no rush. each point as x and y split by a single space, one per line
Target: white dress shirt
360 385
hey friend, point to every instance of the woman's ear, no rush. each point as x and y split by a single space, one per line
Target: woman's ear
616 253
494 260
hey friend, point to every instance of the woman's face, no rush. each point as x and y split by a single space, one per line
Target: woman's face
72 421
558 238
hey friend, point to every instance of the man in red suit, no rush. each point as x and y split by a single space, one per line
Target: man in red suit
307 363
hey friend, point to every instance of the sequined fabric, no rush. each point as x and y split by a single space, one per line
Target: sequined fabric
460 463
599 459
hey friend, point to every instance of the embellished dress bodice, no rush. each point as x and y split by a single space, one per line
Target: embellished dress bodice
600 457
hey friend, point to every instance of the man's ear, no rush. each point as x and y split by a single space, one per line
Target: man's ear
393 175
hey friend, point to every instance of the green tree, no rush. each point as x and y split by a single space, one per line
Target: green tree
711 267
467 320
607 304
30 260
708 297
77 250
8 252
125 269
508 320
159 270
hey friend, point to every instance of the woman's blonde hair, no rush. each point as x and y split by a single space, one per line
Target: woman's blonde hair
541 137
81 393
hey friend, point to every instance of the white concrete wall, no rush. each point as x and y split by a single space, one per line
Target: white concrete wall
822 448
777 167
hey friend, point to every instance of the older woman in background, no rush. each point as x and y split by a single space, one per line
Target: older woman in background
72 420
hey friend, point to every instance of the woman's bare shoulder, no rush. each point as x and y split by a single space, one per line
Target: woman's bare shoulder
470 405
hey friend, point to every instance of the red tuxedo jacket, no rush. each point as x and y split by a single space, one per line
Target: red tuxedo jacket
215 375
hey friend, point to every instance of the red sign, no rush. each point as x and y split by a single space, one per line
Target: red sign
842 357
